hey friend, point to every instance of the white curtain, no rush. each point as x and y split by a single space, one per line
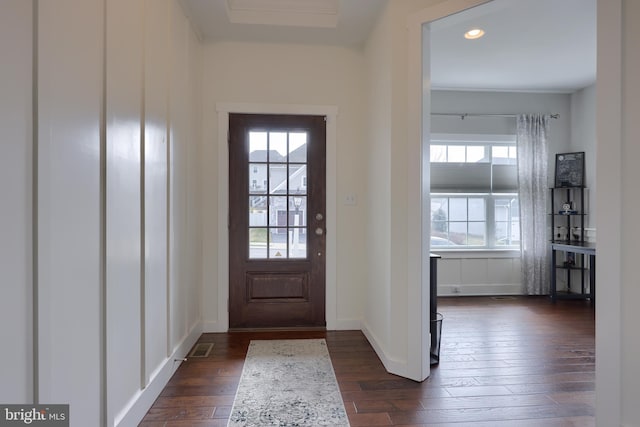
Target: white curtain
532 140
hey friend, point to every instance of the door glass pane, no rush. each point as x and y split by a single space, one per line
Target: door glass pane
297 179
278 244
278 195
278 212
257 147
297 242
257 178
258 211
297 211
277 179
258 240
278 147
298 147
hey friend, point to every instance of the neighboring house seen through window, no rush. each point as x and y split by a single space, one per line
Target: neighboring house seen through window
474 192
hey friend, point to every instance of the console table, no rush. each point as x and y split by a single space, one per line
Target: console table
577 247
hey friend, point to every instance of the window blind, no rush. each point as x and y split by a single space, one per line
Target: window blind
473 178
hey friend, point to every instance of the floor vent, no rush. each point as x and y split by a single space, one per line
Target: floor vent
503 298
201 350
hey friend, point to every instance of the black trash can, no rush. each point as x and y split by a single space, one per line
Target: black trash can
436 335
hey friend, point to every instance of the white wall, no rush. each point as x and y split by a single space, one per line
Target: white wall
185 217
16 361
396 302
113 220
479 273
152 210
618 109
617 95
70 309
296 76
628 207
610 143
156 118
377 294
123 192
583 138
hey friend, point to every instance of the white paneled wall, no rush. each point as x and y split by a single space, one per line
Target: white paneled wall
117 223
486 273
168 282
70 307
124 90
156 82
16 205
153 314
179 138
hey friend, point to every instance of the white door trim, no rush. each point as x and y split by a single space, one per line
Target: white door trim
223 110
418 123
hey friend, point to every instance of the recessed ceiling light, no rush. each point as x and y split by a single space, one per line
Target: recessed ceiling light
474 33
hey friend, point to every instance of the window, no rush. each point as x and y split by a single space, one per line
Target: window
474 195
277 207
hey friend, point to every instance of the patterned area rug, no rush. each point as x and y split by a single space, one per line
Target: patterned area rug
288 383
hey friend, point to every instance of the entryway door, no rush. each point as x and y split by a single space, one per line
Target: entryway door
277 197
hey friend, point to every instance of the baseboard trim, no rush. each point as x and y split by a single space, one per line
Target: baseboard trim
281 329
479 289
348 325
140 403
393 366
212 327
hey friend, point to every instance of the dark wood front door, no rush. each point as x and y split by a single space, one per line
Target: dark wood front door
276 221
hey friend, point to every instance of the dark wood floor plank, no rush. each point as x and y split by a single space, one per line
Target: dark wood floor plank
513 400
547 422
519 361
490 414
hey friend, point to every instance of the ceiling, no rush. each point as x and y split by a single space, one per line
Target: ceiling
285 21
529 45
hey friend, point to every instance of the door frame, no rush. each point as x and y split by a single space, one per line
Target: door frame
418 131
331 112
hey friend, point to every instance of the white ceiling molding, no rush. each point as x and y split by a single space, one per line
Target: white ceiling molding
294 13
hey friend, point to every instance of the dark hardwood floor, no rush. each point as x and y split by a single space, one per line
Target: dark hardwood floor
508 361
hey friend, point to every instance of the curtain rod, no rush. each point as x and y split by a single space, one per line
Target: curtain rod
463 115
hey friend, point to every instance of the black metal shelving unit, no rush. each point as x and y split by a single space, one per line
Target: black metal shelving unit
567 212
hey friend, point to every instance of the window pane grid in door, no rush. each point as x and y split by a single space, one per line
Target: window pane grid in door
277 195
